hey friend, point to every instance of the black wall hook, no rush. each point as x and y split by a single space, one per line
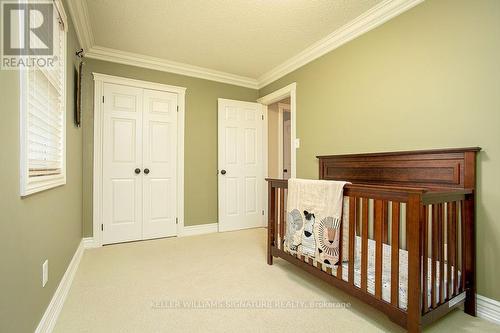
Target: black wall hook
79 53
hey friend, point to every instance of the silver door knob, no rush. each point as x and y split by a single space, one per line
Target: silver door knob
223 172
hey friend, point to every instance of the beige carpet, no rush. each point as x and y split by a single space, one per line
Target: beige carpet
134 287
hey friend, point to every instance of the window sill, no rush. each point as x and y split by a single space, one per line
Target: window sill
44 184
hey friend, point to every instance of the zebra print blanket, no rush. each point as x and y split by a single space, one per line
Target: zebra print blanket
314 211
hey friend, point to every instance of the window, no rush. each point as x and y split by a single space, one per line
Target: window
43 117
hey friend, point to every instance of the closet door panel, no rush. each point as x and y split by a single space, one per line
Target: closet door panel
122 155
160 164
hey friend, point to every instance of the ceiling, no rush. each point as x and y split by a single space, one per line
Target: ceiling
241 39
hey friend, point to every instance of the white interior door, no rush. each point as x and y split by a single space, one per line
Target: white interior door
160 164
122 155
241 168
139 164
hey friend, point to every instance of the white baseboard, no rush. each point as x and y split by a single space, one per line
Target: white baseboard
200 229
488 309
49 319
89 243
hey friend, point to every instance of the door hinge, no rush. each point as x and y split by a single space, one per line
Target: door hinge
103 99
176 220
102 227
177 108
262 212
262 117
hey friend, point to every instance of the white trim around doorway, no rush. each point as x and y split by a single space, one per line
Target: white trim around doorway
99 81
276 96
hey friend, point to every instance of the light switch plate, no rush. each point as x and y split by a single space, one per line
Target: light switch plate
45 273
297 143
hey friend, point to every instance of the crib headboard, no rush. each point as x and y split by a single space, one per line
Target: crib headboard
438 168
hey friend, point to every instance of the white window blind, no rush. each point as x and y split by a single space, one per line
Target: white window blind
44 119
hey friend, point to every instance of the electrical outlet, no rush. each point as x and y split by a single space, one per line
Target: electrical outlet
45 273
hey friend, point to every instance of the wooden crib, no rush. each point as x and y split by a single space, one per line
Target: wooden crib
434 192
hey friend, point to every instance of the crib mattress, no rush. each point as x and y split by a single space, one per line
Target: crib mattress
386 273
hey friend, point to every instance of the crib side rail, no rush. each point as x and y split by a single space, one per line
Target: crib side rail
368 212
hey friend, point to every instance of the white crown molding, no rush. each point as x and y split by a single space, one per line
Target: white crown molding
62 14
49 319
134 59
488 309
80 15
200 229
367 21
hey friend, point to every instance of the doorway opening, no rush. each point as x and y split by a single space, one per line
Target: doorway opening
279 139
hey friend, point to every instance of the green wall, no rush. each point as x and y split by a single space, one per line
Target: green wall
430 78
200 164
46 225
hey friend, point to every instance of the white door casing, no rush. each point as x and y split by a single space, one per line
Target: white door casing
122 154
240 163
159 157
277 96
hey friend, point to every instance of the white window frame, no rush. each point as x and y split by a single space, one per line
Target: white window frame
30 185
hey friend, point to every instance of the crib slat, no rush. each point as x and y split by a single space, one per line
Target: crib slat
395 254
441 253
450 249
379 215
385 223
282 217
341 244
276 214
352 239
434 253
425 251
462 236
455 248
364 245
358 224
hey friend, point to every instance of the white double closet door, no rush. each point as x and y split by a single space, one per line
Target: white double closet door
139 164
